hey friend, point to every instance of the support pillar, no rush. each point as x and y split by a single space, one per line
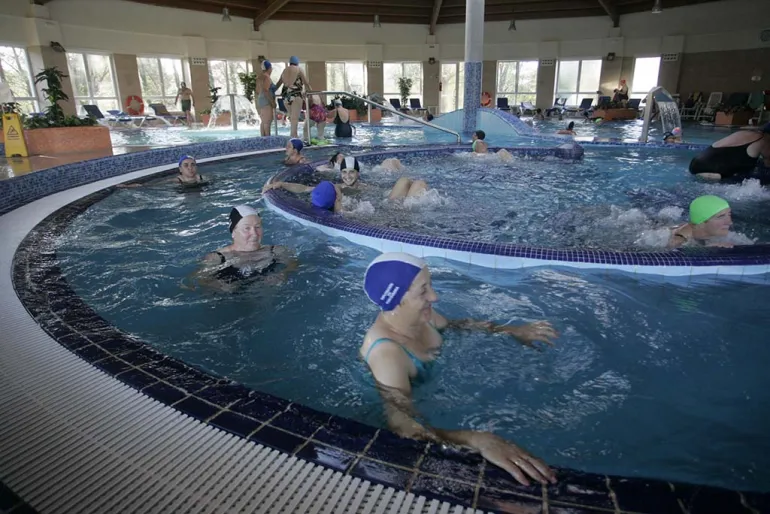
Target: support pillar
474 56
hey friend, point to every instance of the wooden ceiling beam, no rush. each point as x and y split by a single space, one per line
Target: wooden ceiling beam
273 7
505 15
378 3
199 5
612 11
434 16
354 18
367 10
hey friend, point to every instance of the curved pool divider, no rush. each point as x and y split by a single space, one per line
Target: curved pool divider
497 122
95 420
734 262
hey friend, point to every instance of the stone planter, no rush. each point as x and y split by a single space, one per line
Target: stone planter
615 114
734 118
63 140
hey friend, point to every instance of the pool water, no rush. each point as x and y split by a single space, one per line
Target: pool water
612 199
653 378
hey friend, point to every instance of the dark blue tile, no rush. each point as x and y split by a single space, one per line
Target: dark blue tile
382 473
326 456
389 447
499 501
443 489
120 345
639 495
346 434
559 509
260 406
196 408
136 378
165 368
223 394
576 488
192 380
709 500
8 498
23 509
112 365
498 478
92 353
235 423
278 439
164 393
758 501
452 463
301 420
142 356
74 341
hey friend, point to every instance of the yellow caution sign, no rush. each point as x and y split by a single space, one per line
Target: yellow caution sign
15 146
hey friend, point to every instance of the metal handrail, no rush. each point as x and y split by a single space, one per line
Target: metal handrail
371 104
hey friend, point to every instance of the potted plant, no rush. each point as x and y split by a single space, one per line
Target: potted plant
734 115
404 88
56 132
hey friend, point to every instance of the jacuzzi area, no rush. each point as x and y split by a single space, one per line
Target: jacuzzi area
117 370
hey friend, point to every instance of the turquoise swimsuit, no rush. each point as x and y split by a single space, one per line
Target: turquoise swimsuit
421 366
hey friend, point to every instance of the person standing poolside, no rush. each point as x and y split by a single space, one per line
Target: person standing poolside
317 116
733 156
404 340
187 101
265 99
710 218
295 83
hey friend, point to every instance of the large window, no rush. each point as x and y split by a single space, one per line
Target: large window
577 80
224 74
646 71
278 68
93 81
346 76
452 86
160 78
517 81
15 71
392 71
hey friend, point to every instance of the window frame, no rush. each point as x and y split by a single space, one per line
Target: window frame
579 95
397 94
35 99
345 74
227 73
163 98
517 92
459 98
89 81
643 94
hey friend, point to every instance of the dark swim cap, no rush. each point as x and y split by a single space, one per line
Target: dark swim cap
239 212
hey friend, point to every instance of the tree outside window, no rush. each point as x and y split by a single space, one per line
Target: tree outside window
517 81
392 71
452 86
93 81
16 72
160 78
224 74
346 76
577 80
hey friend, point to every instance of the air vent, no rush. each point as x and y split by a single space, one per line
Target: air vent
198 61
669 57
547 62
374 64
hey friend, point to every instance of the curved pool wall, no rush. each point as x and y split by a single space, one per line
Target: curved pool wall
501 123
95 420
734 262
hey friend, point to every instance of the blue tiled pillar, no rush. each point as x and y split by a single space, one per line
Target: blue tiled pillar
474 57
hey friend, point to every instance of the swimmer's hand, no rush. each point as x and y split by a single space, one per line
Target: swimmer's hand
531 332
511 458
271 185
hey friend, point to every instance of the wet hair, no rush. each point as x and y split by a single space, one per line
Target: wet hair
333 160
571 125
480 134
429 117
539 110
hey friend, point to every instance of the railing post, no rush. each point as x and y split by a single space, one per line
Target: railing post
307 116
233 113
369 113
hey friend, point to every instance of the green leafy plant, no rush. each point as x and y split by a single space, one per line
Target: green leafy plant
54 115
10 108
352 104
404 88
722 107
249 81
214 94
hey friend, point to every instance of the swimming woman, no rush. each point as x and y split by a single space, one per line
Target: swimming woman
406 337
710 219
265 99
479 146
569 131
294 152
188 175
295 82
733 156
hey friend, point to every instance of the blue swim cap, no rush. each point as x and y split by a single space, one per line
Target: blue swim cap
184 158
297 144
294 59
324 195
266 65
389 276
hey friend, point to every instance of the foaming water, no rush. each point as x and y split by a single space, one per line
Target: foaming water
649 377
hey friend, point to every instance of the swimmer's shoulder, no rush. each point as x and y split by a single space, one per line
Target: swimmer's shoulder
680 234
218 256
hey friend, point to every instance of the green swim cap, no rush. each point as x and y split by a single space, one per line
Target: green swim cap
706 207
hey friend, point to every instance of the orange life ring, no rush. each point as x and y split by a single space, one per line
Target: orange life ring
486 99
135 105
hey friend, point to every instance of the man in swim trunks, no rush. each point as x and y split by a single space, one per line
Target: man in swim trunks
710 218
246 257
734 156
405 338
187 101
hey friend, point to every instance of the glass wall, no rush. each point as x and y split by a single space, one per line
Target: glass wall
517 81
346 76
392 71
160 78
15 71
577 80
224 74
646 72
93 81
452 86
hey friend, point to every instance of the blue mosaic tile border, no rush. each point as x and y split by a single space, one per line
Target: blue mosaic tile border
18 191
471 94
754 255
566 151
344 445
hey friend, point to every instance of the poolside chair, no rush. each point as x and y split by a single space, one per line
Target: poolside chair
416 106
558 106
634 103
528 108
709 111
396 103
502 103
585 105
161 112
93 111
692 106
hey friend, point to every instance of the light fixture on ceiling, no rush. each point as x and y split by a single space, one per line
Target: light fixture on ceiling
512 25
377 21
226 14
656 8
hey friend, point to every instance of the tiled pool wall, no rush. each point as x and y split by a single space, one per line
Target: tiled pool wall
377 455
736 262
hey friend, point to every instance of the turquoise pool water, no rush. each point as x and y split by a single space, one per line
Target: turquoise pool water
654 378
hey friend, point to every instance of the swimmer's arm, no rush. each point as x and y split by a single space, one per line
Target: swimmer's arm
204 275
287 257
526 334
288 186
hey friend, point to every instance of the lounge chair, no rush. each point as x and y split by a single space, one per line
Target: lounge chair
396 103
416 106
558 106
502 103
585 105
528 108
169 119
709 111
691 107
93 111
634 103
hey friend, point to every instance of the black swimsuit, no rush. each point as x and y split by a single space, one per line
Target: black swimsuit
726 161
232 274
200 182
342 129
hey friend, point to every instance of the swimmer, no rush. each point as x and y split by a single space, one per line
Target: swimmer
478 145
675 136
293 152
391 164
710 218
326 196
246 257
406 337
733 156
569 131
538 115
333 164
188 175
